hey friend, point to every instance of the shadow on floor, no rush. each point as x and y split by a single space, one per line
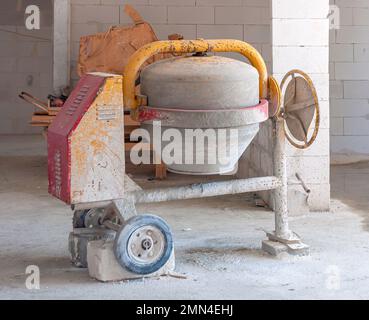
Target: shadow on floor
350 184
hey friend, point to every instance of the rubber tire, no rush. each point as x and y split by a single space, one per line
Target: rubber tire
125 232
79 218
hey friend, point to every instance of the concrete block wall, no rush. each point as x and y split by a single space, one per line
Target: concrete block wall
300 39
25 64
238 19
349 81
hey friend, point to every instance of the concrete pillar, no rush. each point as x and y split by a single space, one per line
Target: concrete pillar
300 40
61 74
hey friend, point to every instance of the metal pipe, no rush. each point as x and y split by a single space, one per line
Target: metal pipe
303 184
187 46
192 191
201 190
280 194
90 205
111 225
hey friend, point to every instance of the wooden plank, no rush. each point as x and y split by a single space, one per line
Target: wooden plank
54 109
39 124
40 113
52 113
44 113
42 118
129 145
128 130
160 171
128 121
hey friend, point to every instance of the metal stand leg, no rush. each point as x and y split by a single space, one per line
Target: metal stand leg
280 194
125 208
282 239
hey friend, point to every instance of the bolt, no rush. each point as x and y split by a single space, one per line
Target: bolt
146 244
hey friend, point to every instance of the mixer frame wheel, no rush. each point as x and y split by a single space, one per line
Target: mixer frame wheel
285 113
143 244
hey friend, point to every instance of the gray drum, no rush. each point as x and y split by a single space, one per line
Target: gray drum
211 89
209 82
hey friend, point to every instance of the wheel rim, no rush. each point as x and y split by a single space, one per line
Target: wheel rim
153 244
146 245
307 141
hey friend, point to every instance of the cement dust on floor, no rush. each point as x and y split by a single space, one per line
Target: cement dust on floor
217 241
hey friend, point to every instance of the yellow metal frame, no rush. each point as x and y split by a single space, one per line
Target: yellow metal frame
274 97
268 87
131 101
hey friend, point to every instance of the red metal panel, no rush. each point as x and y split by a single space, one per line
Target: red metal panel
59 131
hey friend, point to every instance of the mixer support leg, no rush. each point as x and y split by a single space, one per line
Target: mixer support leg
282 239
125 208
280 194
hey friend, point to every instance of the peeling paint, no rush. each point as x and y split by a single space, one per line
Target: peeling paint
97 147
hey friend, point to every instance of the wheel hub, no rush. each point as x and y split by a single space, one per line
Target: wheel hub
146 244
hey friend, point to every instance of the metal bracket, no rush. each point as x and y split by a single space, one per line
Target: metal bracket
282 239
292 238
293 245
125 208
276 248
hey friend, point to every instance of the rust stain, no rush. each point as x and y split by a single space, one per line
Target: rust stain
97 146
148 114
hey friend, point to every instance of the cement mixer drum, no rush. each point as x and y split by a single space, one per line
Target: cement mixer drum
205 92
205 82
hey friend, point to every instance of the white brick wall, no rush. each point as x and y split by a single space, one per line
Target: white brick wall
310 59
238 19
25 65
300 39
302 42
361 52
349 78
300 9
288 32
341 53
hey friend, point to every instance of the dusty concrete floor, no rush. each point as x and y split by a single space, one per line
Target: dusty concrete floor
220 251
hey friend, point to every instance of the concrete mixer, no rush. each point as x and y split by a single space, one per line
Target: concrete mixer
195 91
205 92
